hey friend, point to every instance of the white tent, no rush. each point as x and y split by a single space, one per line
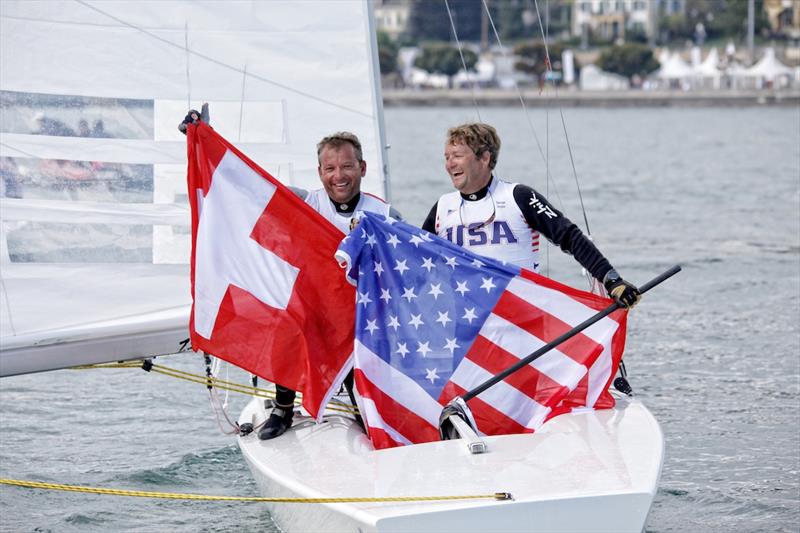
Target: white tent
674 68
483 75
707 73
710 65
594 79
421 79
696 56
769 71
674 72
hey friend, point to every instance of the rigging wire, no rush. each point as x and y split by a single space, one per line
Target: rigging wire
594 285
241 102
547 135
219 383
463 62
218 406
188 55
526 112
549 67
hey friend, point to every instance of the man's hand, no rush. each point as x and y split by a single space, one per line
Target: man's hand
624 293
193 117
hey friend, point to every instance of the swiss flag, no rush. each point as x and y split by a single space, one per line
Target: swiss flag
268 294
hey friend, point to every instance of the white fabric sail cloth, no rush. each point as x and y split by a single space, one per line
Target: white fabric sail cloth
94 239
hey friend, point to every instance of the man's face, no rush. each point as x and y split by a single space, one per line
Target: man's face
340 172
468 172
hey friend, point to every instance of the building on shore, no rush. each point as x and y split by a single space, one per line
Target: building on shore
391 16
784 17
611 19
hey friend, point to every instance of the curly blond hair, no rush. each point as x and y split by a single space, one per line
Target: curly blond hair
479 137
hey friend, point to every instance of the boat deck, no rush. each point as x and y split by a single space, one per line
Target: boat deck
583 471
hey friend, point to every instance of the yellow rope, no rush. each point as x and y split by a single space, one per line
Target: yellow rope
179 496
205 380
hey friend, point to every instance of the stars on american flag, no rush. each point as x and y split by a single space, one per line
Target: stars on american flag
430 374
487 284
462 287
363 299
469 315
435 290
385 295
416 321
451 345
423 348
400 266
443 318
402 349
421 300
408 293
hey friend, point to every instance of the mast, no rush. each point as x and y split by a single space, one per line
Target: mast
751 26
380 124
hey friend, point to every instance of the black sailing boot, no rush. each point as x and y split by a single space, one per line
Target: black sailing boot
278 422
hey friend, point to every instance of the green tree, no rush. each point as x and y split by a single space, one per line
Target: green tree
387 53
508 16
628 59
533 58
518 19
725 18
721 19
428 20
440 58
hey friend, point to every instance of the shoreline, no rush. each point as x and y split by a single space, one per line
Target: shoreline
575 98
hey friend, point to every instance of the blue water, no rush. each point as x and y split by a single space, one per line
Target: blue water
714 352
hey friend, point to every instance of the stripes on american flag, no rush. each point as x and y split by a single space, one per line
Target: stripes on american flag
434 320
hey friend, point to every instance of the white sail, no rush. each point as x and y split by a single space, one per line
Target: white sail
94 236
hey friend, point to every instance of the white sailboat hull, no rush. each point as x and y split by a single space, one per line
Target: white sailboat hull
585 471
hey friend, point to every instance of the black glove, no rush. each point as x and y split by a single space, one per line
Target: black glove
624 293
192 117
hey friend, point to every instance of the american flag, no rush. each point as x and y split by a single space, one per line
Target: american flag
434 320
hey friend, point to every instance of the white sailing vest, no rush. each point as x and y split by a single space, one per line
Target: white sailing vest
321 203
492 226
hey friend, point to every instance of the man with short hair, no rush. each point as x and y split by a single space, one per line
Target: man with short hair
503 220
341 167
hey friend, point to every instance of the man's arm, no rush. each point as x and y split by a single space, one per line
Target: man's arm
430 221
561 231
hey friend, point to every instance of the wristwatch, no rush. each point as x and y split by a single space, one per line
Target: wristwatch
611 277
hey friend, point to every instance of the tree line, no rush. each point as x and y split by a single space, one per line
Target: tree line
517 22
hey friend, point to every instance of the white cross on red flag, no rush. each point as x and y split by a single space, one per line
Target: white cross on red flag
268 294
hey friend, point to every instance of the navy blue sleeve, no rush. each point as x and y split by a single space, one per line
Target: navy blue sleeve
550 222
430 221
